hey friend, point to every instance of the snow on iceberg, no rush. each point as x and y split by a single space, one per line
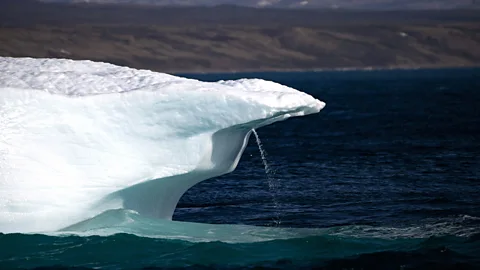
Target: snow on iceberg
78 137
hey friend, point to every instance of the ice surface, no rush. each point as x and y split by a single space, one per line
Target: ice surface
78 137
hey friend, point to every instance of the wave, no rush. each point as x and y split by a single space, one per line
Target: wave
78 138
434 244
127 221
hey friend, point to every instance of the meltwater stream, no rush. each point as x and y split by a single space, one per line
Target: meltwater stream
269 172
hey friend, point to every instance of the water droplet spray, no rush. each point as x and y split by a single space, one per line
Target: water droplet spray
270 175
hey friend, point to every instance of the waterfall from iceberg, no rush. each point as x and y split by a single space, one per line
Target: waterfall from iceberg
269 177
78 138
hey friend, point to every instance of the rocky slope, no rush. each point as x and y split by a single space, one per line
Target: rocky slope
239 39
355 4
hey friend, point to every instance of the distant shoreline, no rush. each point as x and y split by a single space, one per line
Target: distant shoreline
300 70
240 40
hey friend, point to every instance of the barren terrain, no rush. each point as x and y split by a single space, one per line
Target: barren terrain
209 39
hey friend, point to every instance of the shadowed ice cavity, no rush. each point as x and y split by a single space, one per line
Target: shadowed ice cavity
158 198
151 204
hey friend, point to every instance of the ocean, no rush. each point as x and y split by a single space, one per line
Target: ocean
386 176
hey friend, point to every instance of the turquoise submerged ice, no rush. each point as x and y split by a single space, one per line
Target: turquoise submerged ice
78 138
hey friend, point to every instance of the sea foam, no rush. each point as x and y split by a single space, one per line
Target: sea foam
78 138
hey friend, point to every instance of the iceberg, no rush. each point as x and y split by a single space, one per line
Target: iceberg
78 138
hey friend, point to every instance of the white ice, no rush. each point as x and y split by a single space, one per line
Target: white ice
78 138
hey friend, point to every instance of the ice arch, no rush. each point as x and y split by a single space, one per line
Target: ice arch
79 137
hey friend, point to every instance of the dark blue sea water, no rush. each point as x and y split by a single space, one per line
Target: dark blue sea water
386 176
